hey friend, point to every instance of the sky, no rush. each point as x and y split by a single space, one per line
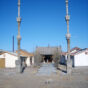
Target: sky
43 23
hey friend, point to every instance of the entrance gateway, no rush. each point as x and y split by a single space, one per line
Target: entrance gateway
47 58
47 53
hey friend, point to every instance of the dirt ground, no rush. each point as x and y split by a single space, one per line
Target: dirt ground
10 78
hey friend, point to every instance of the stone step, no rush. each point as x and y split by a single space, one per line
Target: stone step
47 69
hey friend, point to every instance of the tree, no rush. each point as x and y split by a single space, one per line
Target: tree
37 59
56 57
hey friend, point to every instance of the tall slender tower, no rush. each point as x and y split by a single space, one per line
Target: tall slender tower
68 40
18 36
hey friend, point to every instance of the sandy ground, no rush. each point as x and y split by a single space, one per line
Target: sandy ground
10 78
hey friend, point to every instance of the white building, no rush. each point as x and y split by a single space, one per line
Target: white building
9 59
29 57
79 57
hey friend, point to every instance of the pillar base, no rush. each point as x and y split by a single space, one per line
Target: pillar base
69 68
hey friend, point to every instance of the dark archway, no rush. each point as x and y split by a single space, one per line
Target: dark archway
48 58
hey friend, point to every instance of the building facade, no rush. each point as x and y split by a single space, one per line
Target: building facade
79 57
46 54
10 59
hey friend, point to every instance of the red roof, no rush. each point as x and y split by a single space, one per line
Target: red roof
80 51
75 48
63 53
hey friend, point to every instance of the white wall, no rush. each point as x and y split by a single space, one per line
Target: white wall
28 61
10 60
73 51
33 60
81 59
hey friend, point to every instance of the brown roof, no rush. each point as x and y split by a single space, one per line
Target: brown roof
80 51
63 53
25 53
2 53
75 48
11 53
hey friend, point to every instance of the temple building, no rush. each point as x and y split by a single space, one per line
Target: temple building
47 53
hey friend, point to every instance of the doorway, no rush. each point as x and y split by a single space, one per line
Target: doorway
48 58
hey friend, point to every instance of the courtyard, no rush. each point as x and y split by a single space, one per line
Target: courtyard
10 78
29 62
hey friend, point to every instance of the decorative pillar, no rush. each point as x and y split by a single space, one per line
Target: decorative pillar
18 36
69 65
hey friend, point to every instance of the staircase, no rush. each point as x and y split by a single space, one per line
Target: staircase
46 69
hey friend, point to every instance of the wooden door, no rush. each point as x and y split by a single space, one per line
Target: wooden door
2 62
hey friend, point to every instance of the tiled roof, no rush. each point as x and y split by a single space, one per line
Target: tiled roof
47 50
